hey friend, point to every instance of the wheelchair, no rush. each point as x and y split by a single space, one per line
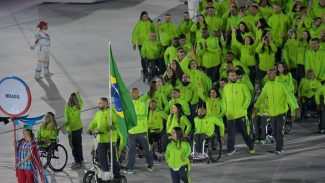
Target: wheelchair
152 70
53 155
211 149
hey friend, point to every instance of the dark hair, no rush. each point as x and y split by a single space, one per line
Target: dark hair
73 101
267 2
224 80
263 25
106 100
186 12
179 71
172 80
179 136
180 112
269 46
145 13
285 71
152 88
181 36
204 23
315 39
31 134
308 34
239 70
189 64
216 90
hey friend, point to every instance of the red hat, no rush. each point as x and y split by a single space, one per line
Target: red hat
41 24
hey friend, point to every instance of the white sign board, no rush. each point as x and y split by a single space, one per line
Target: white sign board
15 97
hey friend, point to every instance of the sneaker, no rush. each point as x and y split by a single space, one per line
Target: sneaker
262 141
48 74
231 152
150 169
251 151
76 166
279 152
322 132
129 172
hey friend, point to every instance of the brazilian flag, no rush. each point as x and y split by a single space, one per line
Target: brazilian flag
124 107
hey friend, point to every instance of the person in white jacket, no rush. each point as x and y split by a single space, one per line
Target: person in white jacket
42 47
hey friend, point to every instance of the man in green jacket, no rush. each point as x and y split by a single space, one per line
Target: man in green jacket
279 96
151 51
184 28
139 133
171 52
236 99
314 59
101 122
167 31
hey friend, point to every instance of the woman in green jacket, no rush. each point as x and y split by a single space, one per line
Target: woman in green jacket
47 133
290 52
157 95
266 52
197 28
198 78
177 157
74 127
284 75
303 46
178 119
247 53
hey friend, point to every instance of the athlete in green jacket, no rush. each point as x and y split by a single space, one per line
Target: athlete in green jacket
48 132
178 119
279 22
167 31
72 116
236 99
171 52
101 122
139 133
314 59
279 96
142 30
177 157
184 27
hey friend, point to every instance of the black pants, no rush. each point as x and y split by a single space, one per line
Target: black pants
165 139
260 127
199 138
294 73
300 73
103 155
322 120
75 141
260 75
252 74
181 175
141 139
277 123
243 126
213 73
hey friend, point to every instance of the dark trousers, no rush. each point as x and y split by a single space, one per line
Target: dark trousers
181 175
141 139
322 120
300 73
155 137
260 75
103 155
277 123
213 73
199 138
243 126
75 141
165 139
294 73
260 127
252 74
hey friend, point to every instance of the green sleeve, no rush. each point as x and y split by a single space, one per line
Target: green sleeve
81 101
187 150
93 124
220 124
169 122
163 115
186 108
135 34
66 118
167 56
261 98
201 94
143 50
234 41
300 88
273 47
53 134
167 154
223 109
193 28
187 124
247 96
290 97
259 48
318 93
285 53
195 96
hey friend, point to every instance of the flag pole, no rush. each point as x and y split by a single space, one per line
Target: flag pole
110 107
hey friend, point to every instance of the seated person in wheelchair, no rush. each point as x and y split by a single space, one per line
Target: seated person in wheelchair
47 133
319 97
306 92
155 122
260 119
205 129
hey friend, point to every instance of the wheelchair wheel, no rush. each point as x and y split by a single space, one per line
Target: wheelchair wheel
57 157
89 177
214 149
123 180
